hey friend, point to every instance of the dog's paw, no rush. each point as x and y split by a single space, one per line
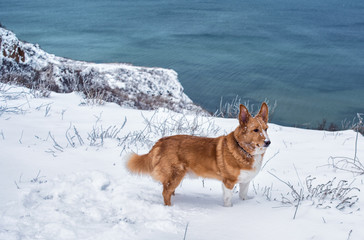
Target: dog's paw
246 197
227 204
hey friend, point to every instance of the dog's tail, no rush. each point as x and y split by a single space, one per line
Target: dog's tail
139 163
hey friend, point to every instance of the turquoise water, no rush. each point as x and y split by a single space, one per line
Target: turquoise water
306 55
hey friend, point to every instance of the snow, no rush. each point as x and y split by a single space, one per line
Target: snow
63 176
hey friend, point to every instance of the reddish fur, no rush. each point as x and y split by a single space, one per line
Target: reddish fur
220 158
139 164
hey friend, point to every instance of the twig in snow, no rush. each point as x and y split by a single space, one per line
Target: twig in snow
294 192
298 176
268 192
93 96
37 179
184 237
16 109
358 126
70 137
17 186
231 109
348 164
123 150
21 137
80 140
19 181
98 134
255 190
47 110
298 203
326 195
55 144
51 151
98 118
270 159
43 105
349 235
62 113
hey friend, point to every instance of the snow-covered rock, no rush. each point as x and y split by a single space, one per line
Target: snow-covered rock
136 87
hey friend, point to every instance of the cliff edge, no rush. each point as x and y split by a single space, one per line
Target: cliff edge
144 88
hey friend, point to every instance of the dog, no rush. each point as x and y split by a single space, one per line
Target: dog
234 158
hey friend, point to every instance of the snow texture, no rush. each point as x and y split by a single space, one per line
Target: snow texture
130 86
63 176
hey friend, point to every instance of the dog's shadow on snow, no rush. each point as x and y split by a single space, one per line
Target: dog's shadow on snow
204 201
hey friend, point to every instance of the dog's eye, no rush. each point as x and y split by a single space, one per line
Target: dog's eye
256 130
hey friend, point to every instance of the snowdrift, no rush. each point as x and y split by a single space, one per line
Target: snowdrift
63 176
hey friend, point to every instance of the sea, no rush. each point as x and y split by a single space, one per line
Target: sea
306 57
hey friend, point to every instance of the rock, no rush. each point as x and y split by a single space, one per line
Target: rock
144 88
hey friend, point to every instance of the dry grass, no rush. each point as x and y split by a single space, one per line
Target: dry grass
350 164
231 109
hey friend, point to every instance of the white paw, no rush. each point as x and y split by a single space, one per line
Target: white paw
246 197
227 196
228 204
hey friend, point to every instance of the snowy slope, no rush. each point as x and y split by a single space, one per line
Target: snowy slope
130 86
62 176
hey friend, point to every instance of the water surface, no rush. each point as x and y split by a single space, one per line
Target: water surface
306 55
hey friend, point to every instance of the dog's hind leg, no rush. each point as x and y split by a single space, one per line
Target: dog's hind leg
167 194
172 183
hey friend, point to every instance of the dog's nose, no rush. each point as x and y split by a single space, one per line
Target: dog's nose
267 143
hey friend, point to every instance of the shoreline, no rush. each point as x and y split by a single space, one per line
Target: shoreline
168 92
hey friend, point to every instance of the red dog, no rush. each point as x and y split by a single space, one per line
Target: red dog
235 158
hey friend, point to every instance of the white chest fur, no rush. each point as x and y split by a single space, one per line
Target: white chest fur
247 175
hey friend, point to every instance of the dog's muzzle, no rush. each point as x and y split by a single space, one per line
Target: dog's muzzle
266 143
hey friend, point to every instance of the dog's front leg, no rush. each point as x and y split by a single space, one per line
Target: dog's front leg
227 190
243 190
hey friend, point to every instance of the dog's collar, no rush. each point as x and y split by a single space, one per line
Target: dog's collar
242 149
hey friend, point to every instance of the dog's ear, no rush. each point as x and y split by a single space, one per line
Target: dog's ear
263 113
244 115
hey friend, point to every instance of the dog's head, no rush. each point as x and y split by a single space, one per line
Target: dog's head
251 134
